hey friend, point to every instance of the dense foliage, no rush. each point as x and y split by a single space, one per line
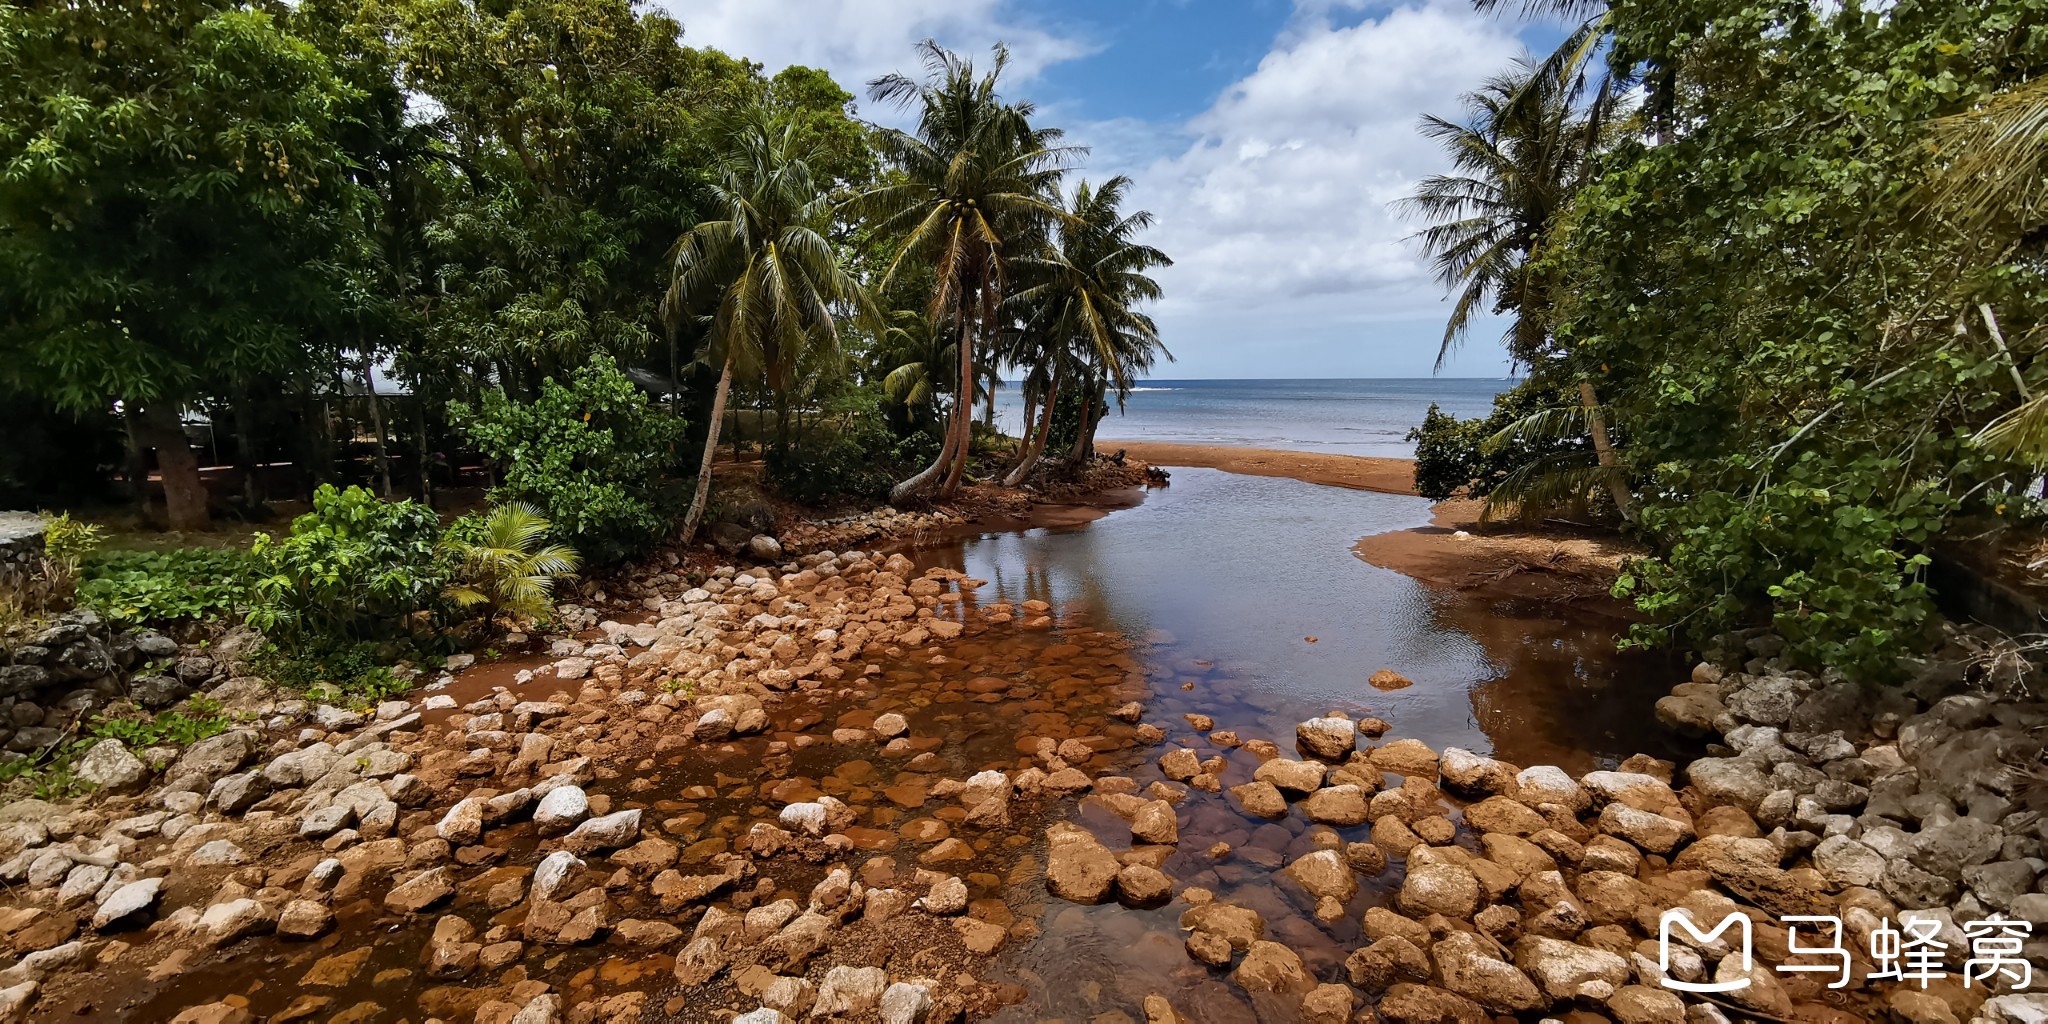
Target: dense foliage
1778 298
590 452
174 585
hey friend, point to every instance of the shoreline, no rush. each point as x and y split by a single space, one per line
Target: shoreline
1358 472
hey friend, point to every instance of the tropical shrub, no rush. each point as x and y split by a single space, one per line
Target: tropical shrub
592 454
856 457
181 584
354 568
1511 447
357 672
503 563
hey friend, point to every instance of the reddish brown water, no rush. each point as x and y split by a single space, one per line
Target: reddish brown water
1216 582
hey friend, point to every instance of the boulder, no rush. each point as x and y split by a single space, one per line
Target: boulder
1470 774
109 766
1436 884
1331 739
560 810
1272 967
1078 867
1469 968
616 829
1567 971
1325 874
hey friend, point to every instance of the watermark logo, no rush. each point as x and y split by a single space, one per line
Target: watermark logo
1911 952
1679 918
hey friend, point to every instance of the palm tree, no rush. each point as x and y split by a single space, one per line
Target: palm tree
1080 311
505 565
974 180
764 271
1517 160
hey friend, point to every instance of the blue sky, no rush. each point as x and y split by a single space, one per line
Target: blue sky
1269 138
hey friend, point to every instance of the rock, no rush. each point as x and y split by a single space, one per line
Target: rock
905 1003
215 756
553 873
562 809
1424 1004
216 853
1260 799
1470 774
1844 862
1078 867
848 991
1156 823
1302 777
1324 873
1340 806
1180 764
948 895
616 829
1327 1004
1569 971
126 902
16 999
1143 885
1641 1004
1438 885
1237 926
108 765
1331 739
420 892
1653 833
224 923
304 919
1387 679
464 822
1549 784
1734 781
1271 967
1408 757
890 725
1468 968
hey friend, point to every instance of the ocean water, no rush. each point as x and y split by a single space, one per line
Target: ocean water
1356 416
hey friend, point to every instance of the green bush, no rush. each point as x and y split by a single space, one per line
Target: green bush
854 460
354 568
1834 570
1454 455
136 587
592 454
351 672
503 564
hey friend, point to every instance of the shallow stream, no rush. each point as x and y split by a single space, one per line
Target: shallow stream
1228 596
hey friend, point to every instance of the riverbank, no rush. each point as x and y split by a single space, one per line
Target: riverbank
1388 476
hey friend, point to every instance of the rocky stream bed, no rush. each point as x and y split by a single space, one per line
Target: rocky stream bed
848 788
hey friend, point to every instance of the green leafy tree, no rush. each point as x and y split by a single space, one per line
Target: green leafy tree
174 209
1795 342
592 453
762 276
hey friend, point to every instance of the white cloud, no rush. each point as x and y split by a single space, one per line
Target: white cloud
1278 212
857 42
1274 202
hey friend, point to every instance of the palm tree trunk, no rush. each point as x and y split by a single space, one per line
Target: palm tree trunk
1603 450
988 411
1035 439
1024 436
963 414
710 450
916 484
1080 449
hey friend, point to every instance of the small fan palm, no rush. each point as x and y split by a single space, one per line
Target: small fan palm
506 565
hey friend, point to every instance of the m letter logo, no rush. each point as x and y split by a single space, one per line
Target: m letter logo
1677 917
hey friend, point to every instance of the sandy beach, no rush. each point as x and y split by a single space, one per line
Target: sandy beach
1391 476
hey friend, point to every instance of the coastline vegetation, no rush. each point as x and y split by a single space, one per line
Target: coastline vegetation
1787 258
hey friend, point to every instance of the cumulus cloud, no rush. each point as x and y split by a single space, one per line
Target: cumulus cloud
857 42
1282 200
